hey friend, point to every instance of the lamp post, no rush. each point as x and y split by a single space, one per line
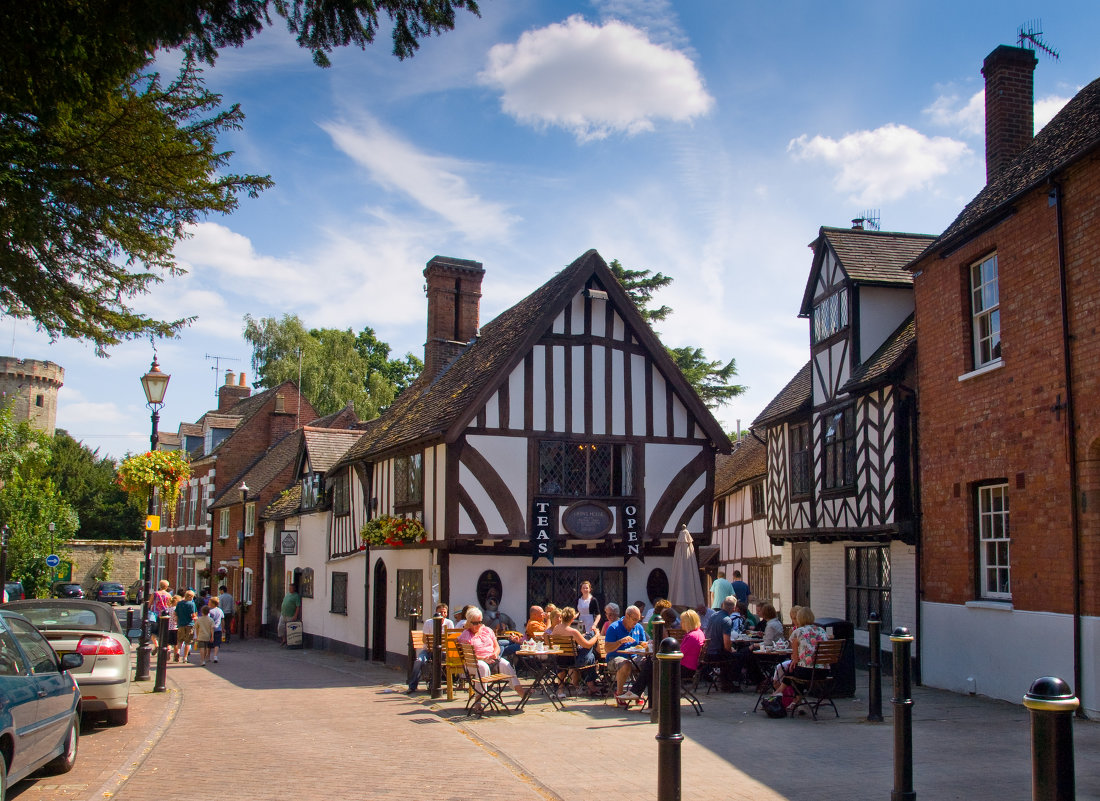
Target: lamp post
243 490
154 383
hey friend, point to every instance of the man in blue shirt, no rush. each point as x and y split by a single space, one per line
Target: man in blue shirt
720 632
740 588
623 633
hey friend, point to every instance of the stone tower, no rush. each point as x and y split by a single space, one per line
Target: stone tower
31 387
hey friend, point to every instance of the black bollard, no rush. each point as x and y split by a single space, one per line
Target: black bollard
160 683
669 737
1051 704
903 717
437 656
129 621
414 624
874 670
654 685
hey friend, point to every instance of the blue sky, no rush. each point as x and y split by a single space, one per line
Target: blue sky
708 140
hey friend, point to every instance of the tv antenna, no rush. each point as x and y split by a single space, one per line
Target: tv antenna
217 368
1030 37
868 220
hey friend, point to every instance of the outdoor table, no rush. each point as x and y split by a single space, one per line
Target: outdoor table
767 661
543 669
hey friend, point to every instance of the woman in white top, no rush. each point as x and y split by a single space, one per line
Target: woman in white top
588 609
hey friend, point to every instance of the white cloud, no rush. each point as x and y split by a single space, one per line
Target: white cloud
884 164
594 80
435 182
969 119
1046 108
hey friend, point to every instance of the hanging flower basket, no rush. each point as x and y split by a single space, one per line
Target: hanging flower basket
166 470
393 531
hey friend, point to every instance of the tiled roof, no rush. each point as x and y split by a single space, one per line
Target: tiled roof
348 413
868 257
1073 133
190 430
168 440
263 470
747 461
326 445
436 408
892 354
793 398
287 504
222 420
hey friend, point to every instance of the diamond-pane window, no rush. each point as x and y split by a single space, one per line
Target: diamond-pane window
585 469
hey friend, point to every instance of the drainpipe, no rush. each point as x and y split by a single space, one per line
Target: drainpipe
1055 198
915 501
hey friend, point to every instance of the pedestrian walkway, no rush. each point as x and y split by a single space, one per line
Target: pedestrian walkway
269 723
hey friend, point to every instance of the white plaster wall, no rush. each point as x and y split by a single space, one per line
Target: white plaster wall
1004 651
397 628
508 456
881 311
662 463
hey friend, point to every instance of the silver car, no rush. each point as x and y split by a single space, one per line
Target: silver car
88 628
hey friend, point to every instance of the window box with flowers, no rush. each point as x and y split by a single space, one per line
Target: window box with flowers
166 471
393 532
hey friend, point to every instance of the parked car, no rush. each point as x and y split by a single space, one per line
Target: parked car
109 592
135 591
66 589
14 589
91 629
39 703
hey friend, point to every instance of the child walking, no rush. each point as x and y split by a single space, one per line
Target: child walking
204 633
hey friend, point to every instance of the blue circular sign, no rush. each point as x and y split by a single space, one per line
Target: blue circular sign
53 560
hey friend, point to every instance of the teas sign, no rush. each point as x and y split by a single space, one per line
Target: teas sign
630 526
544 530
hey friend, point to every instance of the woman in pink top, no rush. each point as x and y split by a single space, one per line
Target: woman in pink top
692 644
487 649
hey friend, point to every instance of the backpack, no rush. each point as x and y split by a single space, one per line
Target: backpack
773 706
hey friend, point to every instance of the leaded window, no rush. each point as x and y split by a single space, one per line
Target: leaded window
994 541
339 594
305 582
561 585
586 469
985 310
408 480
867 585
801 459
830 316
756 494
340 502
410 592
311 490
840 448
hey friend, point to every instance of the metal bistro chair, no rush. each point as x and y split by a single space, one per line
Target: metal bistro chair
485 691
689 689
813 686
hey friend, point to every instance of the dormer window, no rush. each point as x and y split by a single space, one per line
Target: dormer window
311 490
830 316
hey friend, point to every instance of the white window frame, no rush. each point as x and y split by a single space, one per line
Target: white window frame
985 311
994 542
246 586
223 524
249 519
193 505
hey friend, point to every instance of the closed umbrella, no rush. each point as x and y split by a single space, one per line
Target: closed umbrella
684 590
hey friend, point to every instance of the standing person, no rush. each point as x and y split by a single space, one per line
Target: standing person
217 616
740 588
720 589
290 611
228 607
158 605
173 628
588 609
204 633
185 616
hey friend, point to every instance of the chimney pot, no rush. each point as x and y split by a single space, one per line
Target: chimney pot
242 382
229 378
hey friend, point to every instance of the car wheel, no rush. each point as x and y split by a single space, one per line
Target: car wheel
67 759
119 717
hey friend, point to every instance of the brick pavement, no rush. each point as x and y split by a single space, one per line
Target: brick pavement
269 723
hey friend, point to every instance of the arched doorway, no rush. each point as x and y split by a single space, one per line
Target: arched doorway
800 574
378 614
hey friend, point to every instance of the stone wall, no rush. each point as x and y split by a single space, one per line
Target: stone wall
126 557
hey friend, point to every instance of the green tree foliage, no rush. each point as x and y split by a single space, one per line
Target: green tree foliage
102 169
29 502
709 378
88 483
337 366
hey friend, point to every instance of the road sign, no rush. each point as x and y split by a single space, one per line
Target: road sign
53 560
152 522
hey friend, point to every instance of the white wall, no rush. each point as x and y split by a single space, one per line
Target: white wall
397 628
881 311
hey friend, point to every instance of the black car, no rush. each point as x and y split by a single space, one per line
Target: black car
66 589
110 592
14 590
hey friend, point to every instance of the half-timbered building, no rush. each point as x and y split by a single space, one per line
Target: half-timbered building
558 443
840 435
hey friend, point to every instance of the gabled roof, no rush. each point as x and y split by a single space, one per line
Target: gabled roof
347 413
263 470
794 398
747 461
325 446
888 360
190 430
439 408
1072 134
876 258
288 504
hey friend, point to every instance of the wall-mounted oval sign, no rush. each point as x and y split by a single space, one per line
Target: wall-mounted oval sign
587 520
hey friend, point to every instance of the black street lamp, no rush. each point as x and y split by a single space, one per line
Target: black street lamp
154 383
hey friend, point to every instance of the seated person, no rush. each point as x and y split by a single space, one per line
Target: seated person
623 633
585 663
691 647
804 642
536 623
610 614
659 606
719 634
487 650
424 655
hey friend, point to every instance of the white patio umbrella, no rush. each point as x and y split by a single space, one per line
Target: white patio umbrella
684 589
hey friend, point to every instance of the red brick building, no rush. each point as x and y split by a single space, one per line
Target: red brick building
1009 376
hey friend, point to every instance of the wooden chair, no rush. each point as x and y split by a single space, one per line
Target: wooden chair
813 686
567 662
676 633
605 681
452 666
485 691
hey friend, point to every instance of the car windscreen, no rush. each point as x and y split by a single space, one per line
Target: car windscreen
46 616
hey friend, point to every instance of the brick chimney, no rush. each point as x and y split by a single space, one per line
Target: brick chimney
453 287
231 391
1009 106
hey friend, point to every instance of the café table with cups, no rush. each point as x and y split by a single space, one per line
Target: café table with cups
540 661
